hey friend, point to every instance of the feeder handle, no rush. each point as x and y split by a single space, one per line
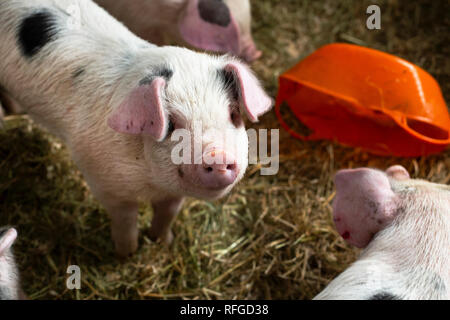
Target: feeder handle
403 123
286 126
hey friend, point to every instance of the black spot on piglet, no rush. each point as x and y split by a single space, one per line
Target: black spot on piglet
166 73
35 31
230 83
162 72
384 296
215 12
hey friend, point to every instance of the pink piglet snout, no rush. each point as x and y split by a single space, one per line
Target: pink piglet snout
218 170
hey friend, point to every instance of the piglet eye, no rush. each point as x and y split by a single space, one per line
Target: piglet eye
171 127
236 118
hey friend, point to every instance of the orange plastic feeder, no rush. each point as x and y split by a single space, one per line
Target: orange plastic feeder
366 98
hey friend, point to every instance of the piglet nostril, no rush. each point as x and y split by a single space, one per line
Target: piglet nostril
222 172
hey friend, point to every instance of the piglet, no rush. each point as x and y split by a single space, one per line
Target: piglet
122 105
9 273
404 226
214 25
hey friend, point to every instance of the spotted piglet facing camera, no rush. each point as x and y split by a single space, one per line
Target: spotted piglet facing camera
9 273
404 226
120 103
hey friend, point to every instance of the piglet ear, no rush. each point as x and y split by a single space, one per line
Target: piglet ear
253 98
364 204
209 25
142 111
398 172
7 238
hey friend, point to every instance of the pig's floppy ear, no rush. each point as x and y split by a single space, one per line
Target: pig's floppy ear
7 239
142 111
364 204
398 172
253 99
209 25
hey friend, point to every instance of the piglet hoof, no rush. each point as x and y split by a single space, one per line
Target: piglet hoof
163 238
125 250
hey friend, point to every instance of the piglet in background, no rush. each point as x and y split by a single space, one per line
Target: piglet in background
404 226
216 25
9 273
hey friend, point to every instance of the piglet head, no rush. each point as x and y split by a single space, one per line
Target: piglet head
7 238
190 118
220 26
225 157
365 202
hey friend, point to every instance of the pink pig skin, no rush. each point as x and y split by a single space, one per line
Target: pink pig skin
208 36
144 103
165 22
10 288
363 205
403 224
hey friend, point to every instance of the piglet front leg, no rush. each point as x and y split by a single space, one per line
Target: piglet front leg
164 212
124 227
